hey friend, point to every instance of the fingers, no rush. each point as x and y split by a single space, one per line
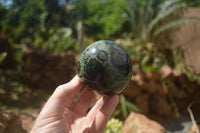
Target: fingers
105 113
84 102
93 112
62 96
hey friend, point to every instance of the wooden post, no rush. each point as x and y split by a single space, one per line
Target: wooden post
80 35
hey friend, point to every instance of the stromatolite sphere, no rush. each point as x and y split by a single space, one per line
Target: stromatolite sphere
104 66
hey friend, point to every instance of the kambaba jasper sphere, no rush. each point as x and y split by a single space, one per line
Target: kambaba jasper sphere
105 67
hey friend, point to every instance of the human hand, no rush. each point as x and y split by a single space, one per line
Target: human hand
59 116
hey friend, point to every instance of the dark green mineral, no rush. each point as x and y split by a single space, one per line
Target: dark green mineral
105 66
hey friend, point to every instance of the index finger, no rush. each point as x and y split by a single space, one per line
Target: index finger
105 113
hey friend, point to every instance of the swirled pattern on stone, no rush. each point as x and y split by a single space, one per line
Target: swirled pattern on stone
104 66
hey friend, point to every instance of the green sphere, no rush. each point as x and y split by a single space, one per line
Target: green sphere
105 67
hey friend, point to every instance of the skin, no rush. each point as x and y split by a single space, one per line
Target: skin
59 116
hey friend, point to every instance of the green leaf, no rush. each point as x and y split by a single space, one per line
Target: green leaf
133 107
3 57
123 106
114 126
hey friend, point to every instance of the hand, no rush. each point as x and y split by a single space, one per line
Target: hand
59 116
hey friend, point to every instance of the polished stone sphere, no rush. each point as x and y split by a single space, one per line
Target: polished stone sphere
105 67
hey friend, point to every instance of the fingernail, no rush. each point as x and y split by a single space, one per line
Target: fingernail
76 81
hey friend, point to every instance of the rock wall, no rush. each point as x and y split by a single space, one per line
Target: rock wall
162 95
47 71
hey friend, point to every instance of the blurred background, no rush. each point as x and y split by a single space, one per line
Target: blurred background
40 42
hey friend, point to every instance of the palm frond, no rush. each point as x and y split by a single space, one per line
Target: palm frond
176 24
166 9
168 3
149 11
